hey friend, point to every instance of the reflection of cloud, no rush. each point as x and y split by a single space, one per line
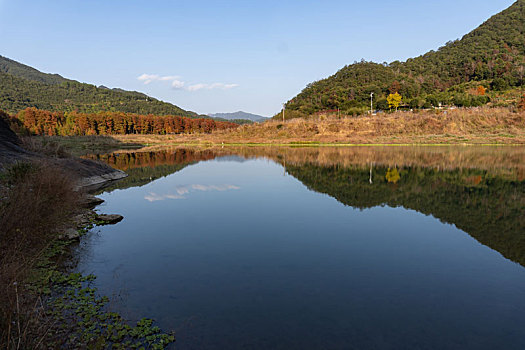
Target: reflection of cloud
153 197
180 191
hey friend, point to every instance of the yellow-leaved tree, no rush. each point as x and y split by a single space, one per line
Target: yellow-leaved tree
394 100
392 175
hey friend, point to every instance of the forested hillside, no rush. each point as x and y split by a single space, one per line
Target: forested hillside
464 72
22 86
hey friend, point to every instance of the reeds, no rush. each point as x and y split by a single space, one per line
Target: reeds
36 200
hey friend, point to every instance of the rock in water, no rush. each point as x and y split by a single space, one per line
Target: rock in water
109 219
89 201
71 234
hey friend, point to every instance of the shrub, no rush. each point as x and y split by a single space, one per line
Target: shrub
35 201
521 104
44 146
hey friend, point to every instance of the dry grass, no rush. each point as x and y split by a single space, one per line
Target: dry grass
458 126
36 200
455 126
67 146
44 146
475 126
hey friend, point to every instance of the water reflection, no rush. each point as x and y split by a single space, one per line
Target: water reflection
181 191
481 190
352 248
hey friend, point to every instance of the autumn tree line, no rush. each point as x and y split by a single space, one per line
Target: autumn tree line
41 122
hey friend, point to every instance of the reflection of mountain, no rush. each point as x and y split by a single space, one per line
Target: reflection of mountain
481 191
491 209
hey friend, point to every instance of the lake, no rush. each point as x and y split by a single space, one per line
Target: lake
318 248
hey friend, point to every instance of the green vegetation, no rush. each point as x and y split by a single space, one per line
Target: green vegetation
484 65
22 86
79 316
235 121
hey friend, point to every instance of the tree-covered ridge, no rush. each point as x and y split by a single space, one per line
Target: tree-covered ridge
22 71
22 86
491 56
488 208
41 122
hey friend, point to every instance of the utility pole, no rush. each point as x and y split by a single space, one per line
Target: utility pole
284 106
371 103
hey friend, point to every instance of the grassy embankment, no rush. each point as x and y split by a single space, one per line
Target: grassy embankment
458 126
42 304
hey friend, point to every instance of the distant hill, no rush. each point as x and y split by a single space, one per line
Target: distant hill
491 56
22 86
239 116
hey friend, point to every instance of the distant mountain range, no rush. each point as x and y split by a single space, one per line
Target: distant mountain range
239 115
22 86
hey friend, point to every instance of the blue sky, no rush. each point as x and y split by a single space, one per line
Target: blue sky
225 56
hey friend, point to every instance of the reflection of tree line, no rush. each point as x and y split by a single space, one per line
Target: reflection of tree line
500 161
129 160
491 209
488 204
144 167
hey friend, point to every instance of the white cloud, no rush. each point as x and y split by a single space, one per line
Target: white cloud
149 78
222 86
178 84
180 191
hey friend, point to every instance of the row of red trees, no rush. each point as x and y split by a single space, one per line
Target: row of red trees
41 122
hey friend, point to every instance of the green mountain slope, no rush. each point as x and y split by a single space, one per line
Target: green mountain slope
493 55
21 70
22 86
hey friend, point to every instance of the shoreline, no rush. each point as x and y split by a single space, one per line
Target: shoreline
130 143
56 307
79 313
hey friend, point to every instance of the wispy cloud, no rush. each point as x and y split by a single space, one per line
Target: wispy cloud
149 78
181 191
221 86
178 84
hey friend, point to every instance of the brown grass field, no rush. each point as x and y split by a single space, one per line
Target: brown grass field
474 126
458 126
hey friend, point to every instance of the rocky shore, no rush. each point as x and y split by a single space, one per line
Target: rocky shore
89 176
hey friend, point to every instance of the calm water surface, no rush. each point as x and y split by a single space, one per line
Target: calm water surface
318 248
